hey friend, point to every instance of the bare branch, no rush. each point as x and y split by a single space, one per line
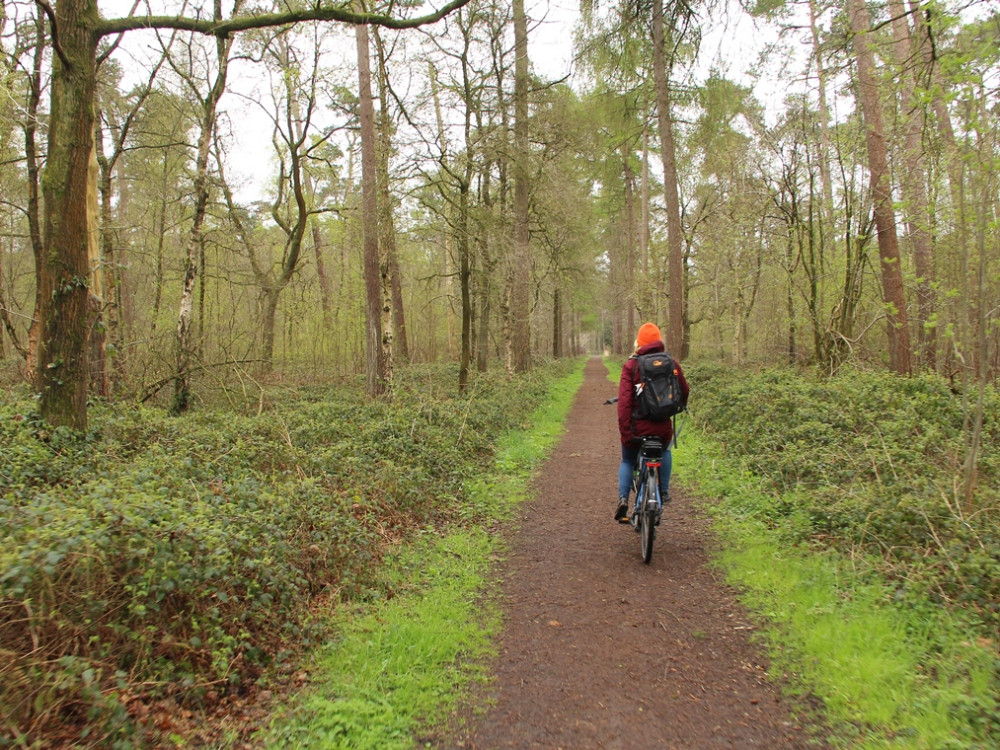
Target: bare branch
47 10
267 20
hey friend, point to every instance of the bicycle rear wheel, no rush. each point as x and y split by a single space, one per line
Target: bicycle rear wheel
647 519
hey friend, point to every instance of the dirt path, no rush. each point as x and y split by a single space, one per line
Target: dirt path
602 651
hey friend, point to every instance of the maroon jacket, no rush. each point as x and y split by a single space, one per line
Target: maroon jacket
630 428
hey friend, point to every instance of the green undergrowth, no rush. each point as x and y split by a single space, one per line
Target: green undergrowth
177 559
873 463
403 656
834 504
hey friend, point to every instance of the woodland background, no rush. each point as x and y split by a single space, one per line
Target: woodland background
441 229
855 219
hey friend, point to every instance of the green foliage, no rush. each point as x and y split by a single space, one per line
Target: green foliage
394 659
161 557
889 673
870 465
880 457
403 656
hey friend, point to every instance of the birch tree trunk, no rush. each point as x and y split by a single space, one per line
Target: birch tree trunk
186 347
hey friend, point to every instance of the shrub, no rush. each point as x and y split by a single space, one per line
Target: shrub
157 557
874 463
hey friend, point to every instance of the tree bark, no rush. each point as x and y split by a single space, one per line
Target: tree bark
97 322
376 384
675 240
630 241
520 301
556 323
913 175
644 231
824 127
63 363
34 203
186 348
109 260
885 221
324 282
387 223
487 268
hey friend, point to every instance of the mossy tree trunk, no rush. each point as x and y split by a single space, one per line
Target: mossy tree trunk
62 373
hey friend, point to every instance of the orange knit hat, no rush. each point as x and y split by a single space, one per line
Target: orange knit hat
648 333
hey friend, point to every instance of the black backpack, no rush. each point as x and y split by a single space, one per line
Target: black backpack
658 394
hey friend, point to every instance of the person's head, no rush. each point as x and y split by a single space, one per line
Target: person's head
648 333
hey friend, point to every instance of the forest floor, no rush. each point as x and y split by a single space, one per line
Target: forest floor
599 650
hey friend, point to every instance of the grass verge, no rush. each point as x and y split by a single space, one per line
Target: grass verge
888 676
404 657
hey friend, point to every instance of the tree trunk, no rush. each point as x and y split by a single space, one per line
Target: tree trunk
644 232
34 204
268 315
387 240
630 242
912 179
790 300
109 261
324 281
8 325
97 323
885 222
375 385
556 323
186 347
520 302
488 266
828 227
464 277
161 234
675 248
63 367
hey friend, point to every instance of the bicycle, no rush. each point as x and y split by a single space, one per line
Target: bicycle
648 506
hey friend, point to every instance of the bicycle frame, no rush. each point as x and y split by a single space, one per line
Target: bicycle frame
647 469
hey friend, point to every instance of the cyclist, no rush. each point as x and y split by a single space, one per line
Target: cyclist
631 428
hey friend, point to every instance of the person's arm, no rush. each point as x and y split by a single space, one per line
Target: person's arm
685 389
626 396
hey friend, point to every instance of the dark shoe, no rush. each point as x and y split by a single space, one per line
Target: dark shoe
621 512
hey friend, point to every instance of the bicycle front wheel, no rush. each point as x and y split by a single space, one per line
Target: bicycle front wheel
647 520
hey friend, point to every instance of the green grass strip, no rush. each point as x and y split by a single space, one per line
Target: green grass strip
400 664
888 676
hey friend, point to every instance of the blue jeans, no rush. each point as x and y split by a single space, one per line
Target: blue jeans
630 456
